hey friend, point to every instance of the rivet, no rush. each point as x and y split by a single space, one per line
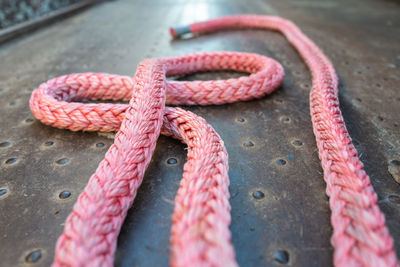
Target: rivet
100 145
11 160
258 194
49 143
281 256
394 199
3 191
248 144
394 169
305 86
241 119
33 257
5 144
285 119
297 143
281 162
64 194
62 161
395 162
172 161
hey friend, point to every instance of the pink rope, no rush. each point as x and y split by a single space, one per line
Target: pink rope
200 231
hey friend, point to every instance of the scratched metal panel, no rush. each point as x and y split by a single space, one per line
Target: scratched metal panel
278 206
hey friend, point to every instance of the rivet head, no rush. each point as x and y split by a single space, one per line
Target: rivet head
62 161
172 161
281 256
394 169
297 143
258 194
64 194
395 162
248 144
33 257
11 160
394 199
285 119
49 143
100 145
3 191
281 162
5 144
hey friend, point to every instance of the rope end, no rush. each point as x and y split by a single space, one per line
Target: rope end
179 31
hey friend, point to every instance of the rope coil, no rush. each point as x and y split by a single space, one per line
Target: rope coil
200 232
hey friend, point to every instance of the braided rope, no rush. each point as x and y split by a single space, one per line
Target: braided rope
200 231
360 237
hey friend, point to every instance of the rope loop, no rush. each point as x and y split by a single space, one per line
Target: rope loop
200 231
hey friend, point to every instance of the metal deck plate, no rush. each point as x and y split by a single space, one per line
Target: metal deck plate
17 11
39 162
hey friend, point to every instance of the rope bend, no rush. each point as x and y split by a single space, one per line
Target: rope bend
360 237
200 232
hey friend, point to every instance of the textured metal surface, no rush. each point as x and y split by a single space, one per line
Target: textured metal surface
17 11
289 213
33 15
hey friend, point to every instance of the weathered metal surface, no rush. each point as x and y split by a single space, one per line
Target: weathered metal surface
16 11
289 218
18 17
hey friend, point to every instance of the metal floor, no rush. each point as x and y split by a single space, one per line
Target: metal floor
38 162
17 11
